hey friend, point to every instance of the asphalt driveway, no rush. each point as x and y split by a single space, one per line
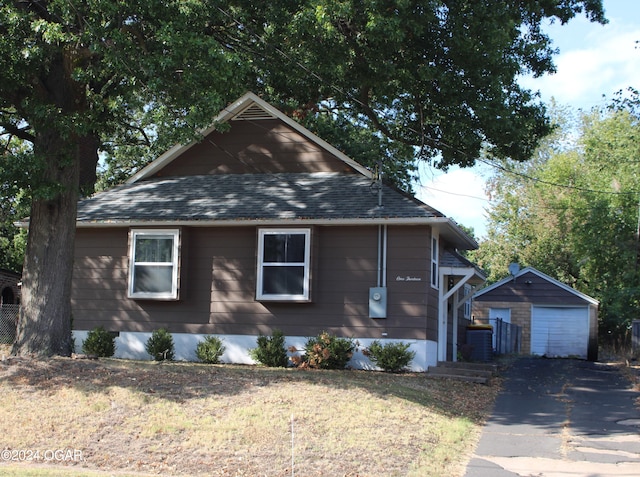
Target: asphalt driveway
561 417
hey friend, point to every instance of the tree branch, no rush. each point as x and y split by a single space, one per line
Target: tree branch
20 133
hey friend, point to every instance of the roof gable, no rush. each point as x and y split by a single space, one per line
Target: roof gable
301 179
519 285
252 110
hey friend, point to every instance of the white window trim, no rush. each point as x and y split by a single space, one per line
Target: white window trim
304 296
151 233
435 253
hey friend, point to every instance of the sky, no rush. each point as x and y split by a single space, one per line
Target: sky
594 62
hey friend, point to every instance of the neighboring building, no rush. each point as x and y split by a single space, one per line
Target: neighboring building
266 226
9 287
9 305
556 320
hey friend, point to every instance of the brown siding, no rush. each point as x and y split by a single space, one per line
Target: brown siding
254 147
530 288
218 275
408 258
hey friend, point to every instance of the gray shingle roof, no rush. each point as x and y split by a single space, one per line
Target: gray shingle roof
240 197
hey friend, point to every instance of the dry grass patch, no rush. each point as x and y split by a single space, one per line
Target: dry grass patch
187 419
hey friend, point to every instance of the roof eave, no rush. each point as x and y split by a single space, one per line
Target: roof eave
253 222
452 232
544 276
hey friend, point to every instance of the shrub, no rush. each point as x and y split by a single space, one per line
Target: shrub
271 351
160 345
392 357
210 350
100 343
326 351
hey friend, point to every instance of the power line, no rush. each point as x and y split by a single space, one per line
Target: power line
436 142
553 184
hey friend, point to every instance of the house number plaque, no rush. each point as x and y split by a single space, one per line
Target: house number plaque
408 279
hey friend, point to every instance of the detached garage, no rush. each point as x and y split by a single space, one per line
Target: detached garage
556 320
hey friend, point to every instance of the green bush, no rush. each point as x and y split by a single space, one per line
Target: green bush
271 351
326 351
160 345
100 343
210 350
392 357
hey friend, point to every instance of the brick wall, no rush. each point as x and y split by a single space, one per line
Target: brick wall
520 315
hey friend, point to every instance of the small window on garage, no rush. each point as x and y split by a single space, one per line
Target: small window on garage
153 264
283 264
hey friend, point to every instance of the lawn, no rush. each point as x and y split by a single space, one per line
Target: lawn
92 418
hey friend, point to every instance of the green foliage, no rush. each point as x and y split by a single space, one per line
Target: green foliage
210 350
128 79
99 342
399 70
160 345
391 357
271 350
572 213
326 351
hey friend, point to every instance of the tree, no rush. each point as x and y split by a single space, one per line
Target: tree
77 78
573 214
80 76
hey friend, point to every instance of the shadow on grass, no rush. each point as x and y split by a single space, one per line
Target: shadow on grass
182 381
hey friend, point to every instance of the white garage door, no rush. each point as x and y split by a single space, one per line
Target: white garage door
557 331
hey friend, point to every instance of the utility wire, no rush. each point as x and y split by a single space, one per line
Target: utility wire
437 142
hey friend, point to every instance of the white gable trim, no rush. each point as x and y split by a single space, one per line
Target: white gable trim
234 109
544 276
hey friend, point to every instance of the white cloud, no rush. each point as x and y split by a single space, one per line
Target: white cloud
607 61
459 195
594 60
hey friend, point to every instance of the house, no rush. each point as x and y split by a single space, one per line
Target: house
266 226
9 304
556 320
9 287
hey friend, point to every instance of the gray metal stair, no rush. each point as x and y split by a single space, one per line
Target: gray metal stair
464 371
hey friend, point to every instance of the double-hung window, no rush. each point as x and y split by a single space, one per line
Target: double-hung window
283 264
153 264
435 246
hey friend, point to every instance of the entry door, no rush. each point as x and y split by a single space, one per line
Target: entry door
496 314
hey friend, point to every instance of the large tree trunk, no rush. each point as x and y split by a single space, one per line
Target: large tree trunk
44 327
64 151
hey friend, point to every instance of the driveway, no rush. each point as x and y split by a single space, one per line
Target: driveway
561 417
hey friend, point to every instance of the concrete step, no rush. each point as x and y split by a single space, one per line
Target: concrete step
472 366
459 377
464 371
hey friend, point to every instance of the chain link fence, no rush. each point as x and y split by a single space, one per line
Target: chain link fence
8 323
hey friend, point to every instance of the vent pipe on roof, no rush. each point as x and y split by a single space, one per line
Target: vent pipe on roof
514 268
379 179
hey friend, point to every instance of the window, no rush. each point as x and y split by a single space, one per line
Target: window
467 304
153 269
283 264
434 261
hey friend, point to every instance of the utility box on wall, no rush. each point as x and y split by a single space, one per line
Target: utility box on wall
377 302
